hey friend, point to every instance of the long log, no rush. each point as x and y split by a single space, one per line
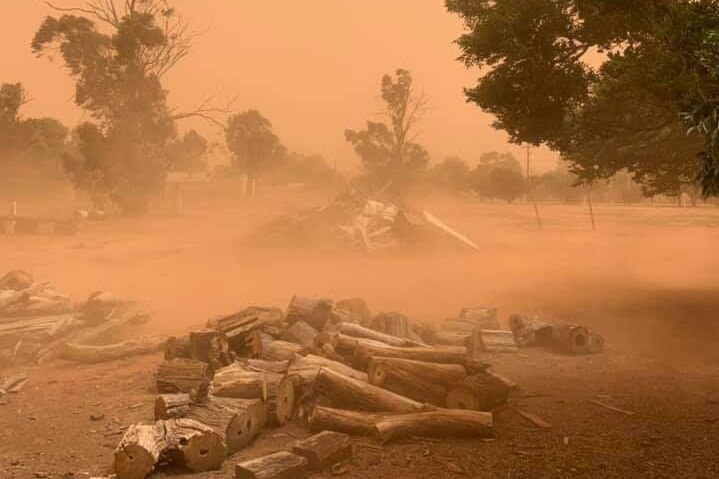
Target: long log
445 355
139 451
280 465
300 333
478 392
348 393
171 406
341 420
181 375
357 331
234 382
324 449
195 446
112 352
280 351
421 381
238 421
264 366
304 370
439 423
450 338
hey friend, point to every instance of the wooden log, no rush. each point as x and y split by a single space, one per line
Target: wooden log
139 451
478 392
324 337
177 348
571 339
305 369
490 341
181 375
238 327
357 331
315 312
300 333
280 465
439 423
348 393
357 309
531 330
450 338
171 406
233 382
200 344
238 421
195 446
280 351
100 305
421 381
264 366
112 352
444 355
347 345
341 420
394 324
324 449
279 399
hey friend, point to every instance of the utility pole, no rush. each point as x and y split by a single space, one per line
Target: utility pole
531 189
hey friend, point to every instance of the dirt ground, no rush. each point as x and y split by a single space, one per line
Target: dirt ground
646 279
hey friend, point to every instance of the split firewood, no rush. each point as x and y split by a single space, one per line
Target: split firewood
324 449
177 348
444 355
238 421
315 312
280 465
280 351
16 280
341 420
172 406
300 333
279 399
439 423
357 331
324 337
195 446
111 352
349 393
328 351
478 392
492 341
357 309
234 382
200 344
140 450
181 375
421 381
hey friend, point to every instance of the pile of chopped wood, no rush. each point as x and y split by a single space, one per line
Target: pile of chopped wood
38 324
331 366
354 220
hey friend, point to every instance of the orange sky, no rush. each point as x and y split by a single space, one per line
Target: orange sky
312 67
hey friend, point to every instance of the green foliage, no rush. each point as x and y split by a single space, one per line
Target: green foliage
387 149
189 153
499 176
252 143
451 175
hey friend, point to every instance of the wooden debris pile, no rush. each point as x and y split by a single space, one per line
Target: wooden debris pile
38 324
330 366
356 221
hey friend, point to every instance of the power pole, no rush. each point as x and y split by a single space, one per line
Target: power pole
531 190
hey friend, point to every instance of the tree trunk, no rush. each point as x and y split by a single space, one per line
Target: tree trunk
238 421
139 451
357 331
347 345
445 355
194 445
421 381
305 370
340 420
300 333
112 352
233 382
177 348
171 406
348 393
280 400
441 423
280 351
324 449
479 392
181 376
280 465
315 312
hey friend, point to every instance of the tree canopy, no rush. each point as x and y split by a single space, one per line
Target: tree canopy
252 142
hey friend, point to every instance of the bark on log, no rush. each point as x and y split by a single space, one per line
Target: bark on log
139 451
450 338
280 351
481 316
280 465
492 341
304 370
357 309
195 446
341 420
233 382
315 312
237 328
264 366
111 352
421 381
200 344
238 421
395 324
479 392
324 449
177 348
279 400
348 393
171 406
357 331
440 423
300 333
181 376
445 355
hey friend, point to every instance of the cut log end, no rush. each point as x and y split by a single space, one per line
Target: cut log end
133 462
285 401
196 446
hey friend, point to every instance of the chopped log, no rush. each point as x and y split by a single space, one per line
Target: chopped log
421 381
280 465
308 367
450 338
445 355
111 352
478 392
508 383
256 342
177 348
394 324
357 331
300 333
490 341
280 351
181 375
264 366
530 330
440 423
233 382
328 351
357 309
238 421
347 345
315 312
171 406
16 280
200 344
348 393
571 339
341 420
195 446
324 449
139 451
279 399
236 328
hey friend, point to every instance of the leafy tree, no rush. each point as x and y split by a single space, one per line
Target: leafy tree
388 149
558 184
498 175
118 52
252 143
626 114
308 169
451 175
189 153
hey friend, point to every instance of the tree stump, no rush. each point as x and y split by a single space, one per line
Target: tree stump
280 465
315 312
421 381
324 449
181 376
195 446
341 420
300 333
440 423
478 392
238 421
139 451
171 406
